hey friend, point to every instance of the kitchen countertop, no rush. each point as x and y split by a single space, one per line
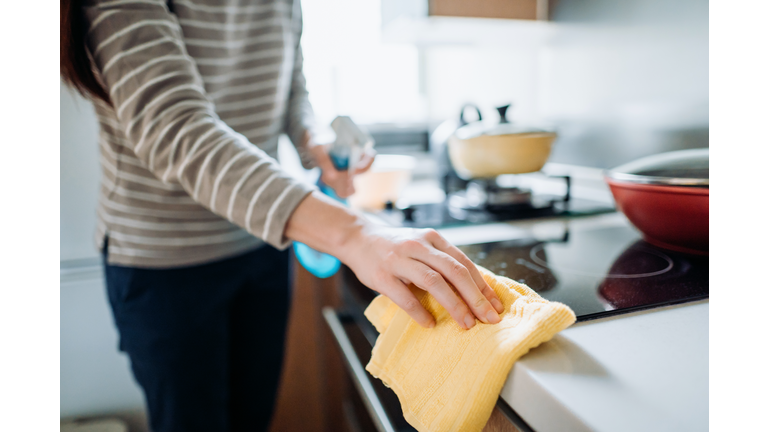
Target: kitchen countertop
642 371
647 371
639 371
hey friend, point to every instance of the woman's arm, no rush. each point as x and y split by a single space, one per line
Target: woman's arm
387 259
170 123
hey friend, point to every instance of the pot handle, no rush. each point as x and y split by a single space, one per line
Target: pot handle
463 122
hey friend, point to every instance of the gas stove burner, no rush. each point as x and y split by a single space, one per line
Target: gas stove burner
521 203
487 195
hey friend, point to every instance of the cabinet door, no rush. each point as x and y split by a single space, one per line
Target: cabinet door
312 385
499 423
510 9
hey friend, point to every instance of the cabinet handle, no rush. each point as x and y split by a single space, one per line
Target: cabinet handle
362 383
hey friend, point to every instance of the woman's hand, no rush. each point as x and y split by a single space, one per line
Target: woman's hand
339 181
388 259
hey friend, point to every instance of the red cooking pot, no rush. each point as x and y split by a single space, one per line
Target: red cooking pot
666 196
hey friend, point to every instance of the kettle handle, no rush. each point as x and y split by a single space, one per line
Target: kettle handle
463 122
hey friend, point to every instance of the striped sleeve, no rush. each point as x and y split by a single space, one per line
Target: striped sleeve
299 116
158 96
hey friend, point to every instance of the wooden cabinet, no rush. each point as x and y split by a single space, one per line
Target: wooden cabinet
313 382
509 23
499 423
506 9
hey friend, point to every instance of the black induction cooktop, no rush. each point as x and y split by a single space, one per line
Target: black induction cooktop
598 271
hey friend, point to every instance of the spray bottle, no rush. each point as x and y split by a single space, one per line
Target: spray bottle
351 144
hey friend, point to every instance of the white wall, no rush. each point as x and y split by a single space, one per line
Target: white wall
80 175
95 376
350 71
626 79
487 75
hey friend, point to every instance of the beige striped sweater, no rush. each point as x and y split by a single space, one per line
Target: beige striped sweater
200 92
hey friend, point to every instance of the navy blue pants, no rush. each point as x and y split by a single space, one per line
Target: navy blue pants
205 342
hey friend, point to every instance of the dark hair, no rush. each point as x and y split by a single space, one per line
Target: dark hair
76 68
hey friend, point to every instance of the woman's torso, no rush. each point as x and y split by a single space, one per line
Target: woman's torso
245 54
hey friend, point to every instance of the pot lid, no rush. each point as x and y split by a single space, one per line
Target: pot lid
504 127
477 129
678 168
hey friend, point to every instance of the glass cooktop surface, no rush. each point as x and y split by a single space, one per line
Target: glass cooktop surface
597 270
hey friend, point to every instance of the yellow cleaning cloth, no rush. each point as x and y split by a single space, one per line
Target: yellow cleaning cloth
448 378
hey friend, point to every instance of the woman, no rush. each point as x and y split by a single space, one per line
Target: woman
195 213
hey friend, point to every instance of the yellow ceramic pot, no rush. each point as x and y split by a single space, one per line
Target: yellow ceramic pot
477 152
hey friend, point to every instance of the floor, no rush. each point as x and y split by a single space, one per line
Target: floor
134 421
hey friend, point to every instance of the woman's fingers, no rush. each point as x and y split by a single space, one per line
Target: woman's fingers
339 181
320 155
404 298
459 276
365 162
431 281
443 245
